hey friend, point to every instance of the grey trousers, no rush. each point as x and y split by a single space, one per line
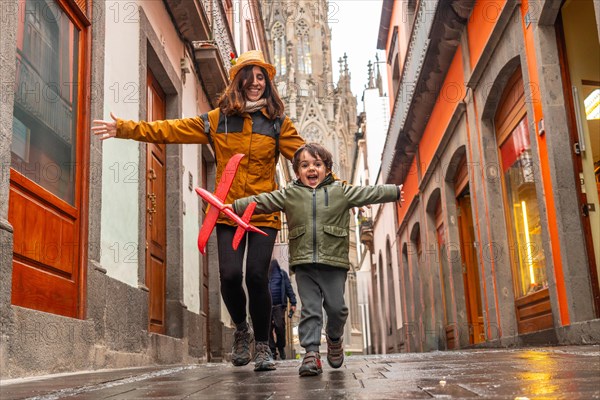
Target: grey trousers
321 286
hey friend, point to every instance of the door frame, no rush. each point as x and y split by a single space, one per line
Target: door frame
156 210
533 311
577 162
79 210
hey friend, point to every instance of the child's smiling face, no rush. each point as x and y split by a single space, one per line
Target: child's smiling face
311 170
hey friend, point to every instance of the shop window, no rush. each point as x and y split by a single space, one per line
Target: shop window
394 60
45 111
47 196
522 213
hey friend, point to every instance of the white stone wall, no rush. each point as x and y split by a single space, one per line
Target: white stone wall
120 208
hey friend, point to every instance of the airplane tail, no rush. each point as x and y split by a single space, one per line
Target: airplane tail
239 233
201 244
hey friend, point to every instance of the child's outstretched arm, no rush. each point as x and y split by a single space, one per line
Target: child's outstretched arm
266 203
363 195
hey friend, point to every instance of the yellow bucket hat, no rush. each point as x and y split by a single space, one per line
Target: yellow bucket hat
251 57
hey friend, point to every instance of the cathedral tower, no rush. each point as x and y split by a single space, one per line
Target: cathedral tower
300 45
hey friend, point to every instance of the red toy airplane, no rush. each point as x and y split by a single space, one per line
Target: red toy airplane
216 201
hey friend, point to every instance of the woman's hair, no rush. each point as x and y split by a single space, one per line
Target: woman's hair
233 100
315 150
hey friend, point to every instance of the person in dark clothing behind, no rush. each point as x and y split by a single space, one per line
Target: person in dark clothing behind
281 290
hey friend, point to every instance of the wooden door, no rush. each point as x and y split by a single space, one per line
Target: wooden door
156 237
470 271
450 329
47 198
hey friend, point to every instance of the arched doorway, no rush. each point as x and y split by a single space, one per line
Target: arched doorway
524 228
468 253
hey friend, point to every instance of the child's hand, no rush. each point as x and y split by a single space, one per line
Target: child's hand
401 194
230 206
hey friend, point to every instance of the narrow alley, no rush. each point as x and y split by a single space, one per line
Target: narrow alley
527 373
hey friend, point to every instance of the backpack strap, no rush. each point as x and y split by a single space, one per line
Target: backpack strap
277 127
207 129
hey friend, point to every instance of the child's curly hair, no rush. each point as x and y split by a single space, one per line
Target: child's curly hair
315 150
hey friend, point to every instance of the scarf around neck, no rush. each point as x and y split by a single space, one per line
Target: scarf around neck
252 106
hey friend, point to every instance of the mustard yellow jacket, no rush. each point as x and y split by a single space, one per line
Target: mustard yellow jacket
251 134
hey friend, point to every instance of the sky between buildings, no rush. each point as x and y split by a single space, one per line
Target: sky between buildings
354 29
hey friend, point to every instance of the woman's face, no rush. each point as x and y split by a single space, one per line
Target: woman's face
311 171
255 90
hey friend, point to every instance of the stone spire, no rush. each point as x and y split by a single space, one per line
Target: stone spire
371 84
345 63
379 80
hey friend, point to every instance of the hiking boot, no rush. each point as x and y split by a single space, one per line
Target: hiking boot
240 352
263 359
282 354
335 352
311 364
273 353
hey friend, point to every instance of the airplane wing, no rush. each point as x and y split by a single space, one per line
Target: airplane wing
227 176
222 189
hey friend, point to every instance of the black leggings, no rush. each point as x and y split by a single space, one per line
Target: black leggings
260 249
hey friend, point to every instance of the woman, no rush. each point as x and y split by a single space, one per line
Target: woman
249 120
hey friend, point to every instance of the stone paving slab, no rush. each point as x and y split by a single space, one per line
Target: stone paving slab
532 373
38 386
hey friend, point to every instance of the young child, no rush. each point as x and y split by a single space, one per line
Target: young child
317 209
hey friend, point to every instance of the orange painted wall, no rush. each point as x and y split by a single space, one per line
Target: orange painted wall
544 166
452 92
411 189
479 28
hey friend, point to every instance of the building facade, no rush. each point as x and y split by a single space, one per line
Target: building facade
494 134
378 281
98 263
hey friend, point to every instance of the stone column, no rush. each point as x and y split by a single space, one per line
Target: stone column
8 42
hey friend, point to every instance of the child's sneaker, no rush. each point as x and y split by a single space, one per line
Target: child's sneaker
242 339
311 364
335 352
263 359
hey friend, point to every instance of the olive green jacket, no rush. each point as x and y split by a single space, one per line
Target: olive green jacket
319 219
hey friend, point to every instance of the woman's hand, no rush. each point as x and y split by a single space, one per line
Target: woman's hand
105 129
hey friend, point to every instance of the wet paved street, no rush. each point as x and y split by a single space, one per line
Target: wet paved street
534 373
